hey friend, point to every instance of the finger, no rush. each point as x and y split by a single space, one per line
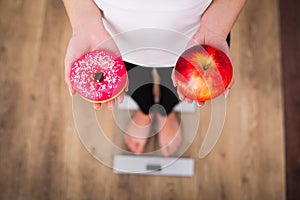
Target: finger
110 104
180 95
200 103
173 78
97 106
188 100
120 98
127 85
68 82
226 92
231 83
71 90
68 64
75 50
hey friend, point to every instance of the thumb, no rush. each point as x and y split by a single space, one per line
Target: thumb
74 51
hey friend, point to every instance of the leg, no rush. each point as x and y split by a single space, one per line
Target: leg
169 136
140 89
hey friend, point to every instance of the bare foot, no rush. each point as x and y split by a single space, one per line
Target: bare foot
138 132
169 136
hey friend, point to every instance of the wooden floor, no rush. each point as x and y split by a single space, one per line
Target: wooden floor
42 157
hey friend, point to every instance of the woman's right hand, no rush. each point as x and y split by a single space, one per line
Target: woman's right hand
82 41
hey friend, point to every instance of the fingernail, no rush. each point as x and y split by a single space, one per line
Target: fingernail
109 105
226 92
70 91
120 100
200 103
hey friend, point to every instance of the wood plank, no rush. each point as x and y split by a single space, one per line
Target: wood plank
260 102
50 130
290 44
21 29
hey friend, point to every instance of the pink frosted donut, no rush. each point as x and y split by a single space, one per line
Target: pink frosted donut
99 76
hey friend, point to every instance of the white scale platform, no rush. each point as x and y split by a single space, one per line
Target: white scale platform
148 165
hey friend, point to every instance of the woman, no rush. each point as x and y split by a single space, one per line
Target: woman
96 22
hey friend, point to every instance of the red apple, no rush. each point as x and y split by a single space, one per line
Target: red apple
99 76
203 72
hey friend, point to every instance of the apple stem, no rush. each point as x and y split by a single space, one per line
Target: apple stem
99 77
205 67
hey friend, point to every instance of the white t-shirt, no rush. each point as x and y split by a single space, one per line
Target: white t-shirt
152 33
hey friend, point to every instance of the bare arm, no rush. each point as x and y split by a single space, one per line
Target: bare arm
85 16
217 21
88 33
221 15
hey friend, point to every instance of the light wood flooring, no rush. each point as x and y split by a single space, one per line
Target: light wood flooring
42 157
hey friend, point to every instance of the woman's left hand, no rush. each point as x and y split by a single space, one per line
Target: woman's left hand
208 37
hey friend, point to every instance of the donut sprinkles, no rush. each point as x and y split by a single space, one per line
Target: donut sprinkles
98 76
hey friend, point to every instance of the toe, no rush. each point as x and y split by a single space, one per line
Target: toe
135 145
138 147
165 146
139 125
165 151
170 146
127 139
170 149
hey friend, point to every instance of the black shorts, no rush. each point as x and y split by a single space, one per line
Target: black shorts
141 88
